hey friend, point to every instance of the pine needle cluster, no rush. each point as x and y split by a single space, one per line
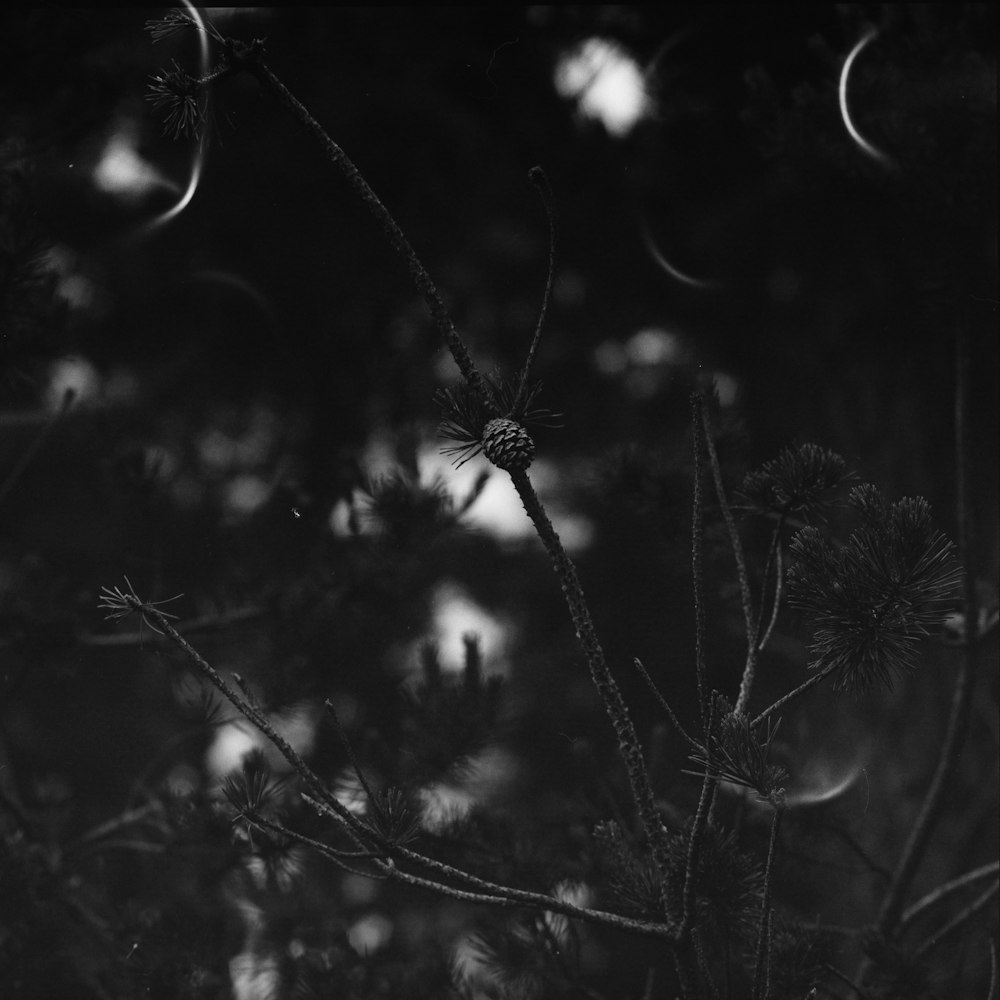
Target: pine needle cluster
871 600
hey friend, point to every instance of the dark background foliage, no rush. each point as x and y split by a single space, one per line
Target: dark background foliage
245 363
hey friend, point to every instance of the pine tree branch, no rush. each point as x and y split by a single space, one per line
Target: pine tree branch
697 567
202 623
607 688
502 895
775 553
36 444
311 779
540 181
664 704
746 599
957 922
248 58
691 861
763 961
793 694
916 844
946 889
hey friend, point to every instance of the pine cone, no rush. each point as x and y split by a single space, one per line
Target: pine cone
507 444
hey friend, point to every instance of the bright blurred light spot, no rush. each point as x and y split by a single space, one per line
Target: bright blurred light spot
575 531
123 172
727 387
654 346
370 933
74 375
76 291
606 83
231 744
483 777
443 804
254 976
350 793
574 893
454 615
246 493
341 519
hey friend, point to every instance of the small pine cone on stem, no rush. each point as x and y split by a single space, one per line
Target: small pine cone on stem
507 444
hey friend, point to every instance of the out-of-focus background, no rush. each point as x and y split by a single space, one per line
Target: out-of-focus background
247 361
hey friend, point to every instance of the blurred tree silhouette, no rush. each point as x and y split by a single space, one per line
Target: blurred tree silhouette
234 401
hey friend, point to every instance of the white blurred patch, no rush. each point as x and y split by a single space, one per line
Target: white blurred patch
727 387
369 934
254 976
454 615
655 346
231 744
122 172
606 83
246 493
234 740
484 777
73 375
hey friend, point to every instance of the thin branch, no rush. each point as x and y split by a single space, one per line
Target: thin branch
339 857
741 566
694 843
541 184
861 993
312 781
946 889
801 689
664 704
248 59
779 571
202 623
505 896
916 844
35 446
351 756
957 922
991 993
607 688
773 552
697 568
128 818
762 965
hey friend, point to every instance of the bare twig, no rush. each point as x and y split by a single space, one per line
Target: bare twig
779 580
697 569
946 889
791 695
741 566
252 63
762 965
202 623
607 688
255 716
540 181
862 994
664 704
916 844
36 444
957 922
